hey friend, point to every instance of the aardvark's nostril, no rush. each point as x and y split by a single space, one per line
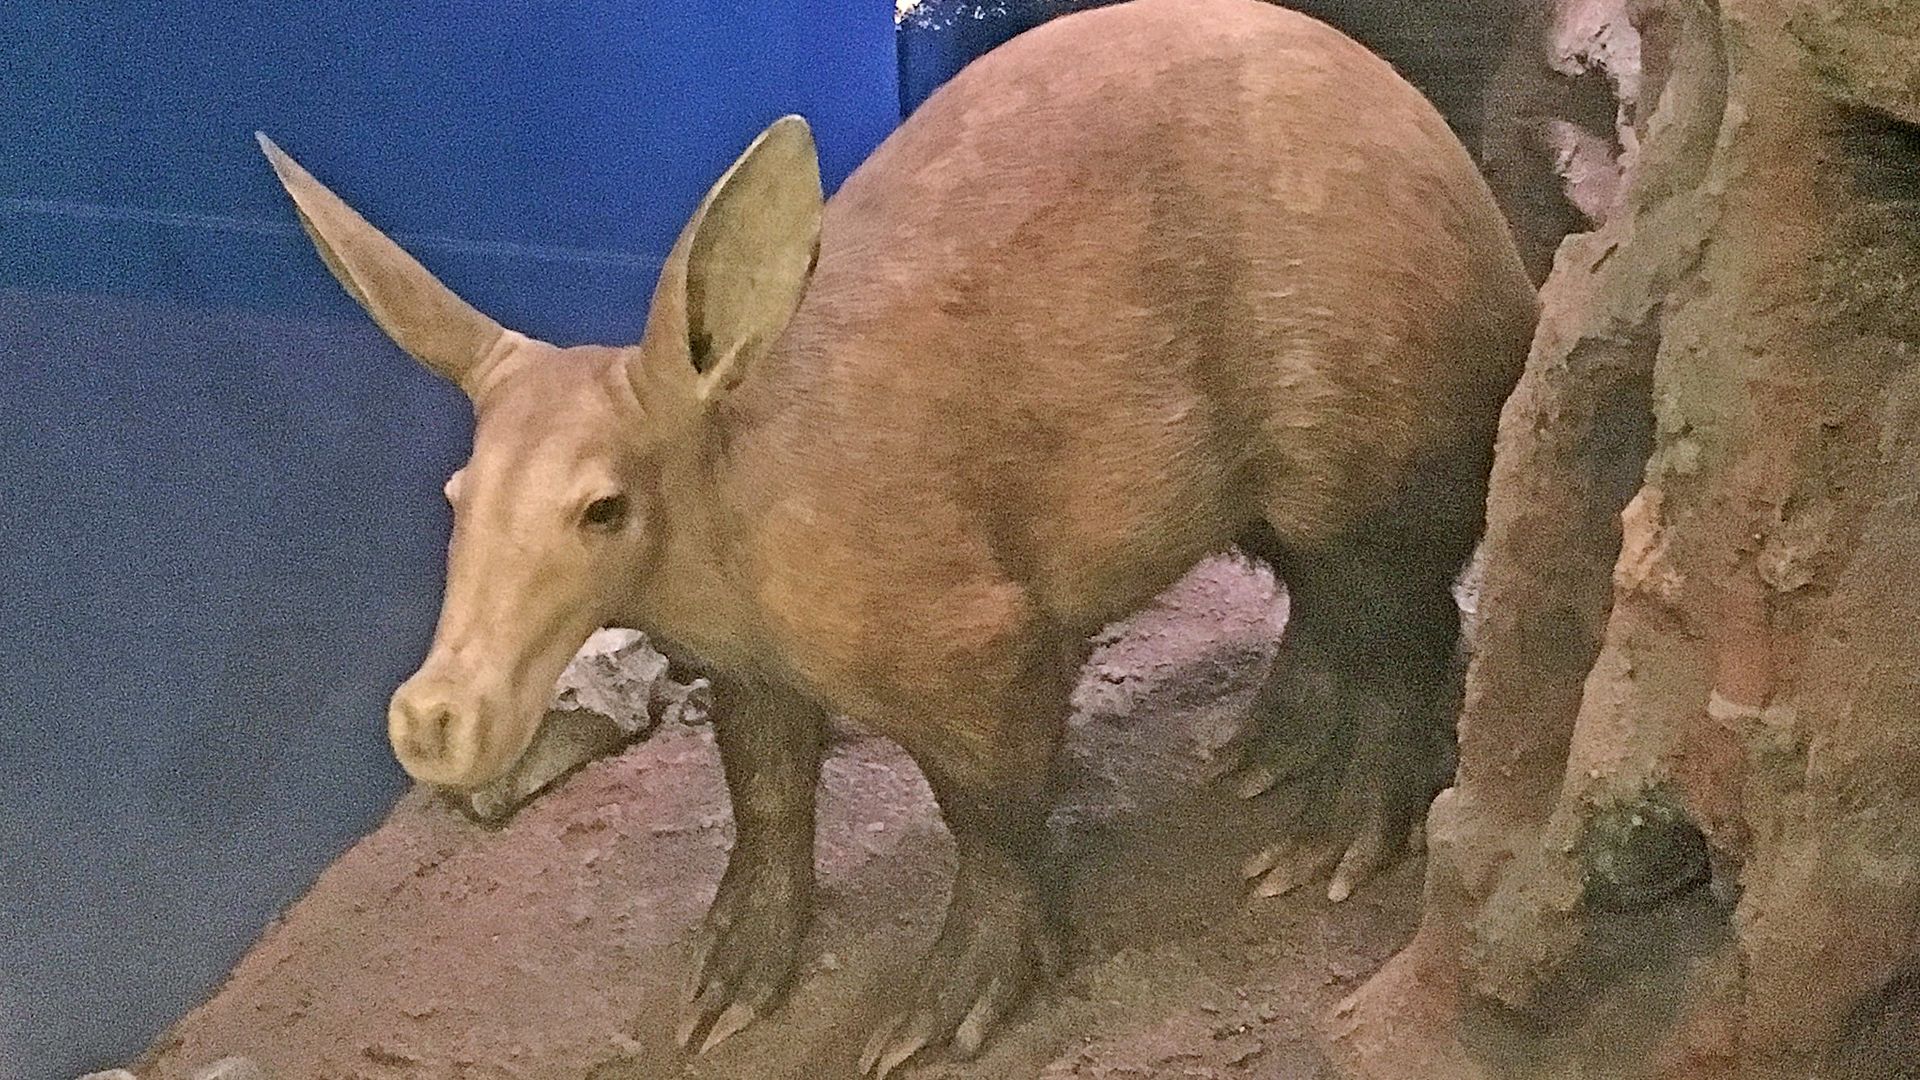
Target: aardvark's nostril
439 734
424 731
433 729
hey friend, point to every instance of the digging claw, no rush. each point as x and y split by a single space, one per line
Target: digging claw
986 1012
743 962
1371 852
1357 770
731 1023
1253 781
1281 868
727 1003
683 1035
977 974
893 1044
899 1039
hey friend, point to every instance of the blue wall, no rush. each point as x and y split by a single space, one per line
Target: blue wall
220 504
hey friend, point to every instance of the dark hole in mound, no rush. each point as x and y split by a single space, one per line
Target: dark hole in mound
1590 104
1640 852
1869 272
1882 158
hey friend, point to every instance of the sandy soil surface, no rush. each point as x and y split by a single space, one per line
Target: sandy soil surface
557 945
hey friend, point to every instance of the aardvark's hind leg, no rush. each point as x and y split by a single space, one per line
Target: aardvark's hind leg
1355 723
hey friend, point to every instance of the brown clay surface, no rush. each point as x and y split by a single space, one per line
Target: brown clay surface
556 946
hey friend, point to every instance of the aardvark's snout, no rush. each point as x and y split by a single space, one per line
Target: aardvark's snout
447 735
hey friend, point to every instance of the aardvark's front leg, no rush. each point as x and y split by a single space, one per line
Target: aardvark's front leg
990 767
770 745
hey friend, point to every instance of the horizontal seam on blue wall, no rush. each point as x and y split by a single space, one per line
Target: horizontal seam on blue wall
19 206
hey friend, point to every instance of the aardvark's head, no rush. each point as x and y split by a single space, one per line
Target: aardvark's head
562 511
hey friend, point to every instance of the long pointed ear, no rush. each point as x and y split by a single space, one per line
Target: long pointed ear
420 314
743 262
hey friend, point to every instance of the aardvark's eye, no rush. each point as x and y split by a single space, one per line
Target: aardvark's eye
606 514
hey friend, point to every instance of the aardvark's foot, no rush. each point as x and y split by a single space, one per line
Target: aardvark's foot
989 956
746 953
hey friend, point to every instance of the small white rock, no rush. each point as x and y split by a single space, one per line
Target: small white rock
110 1074
232 1068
